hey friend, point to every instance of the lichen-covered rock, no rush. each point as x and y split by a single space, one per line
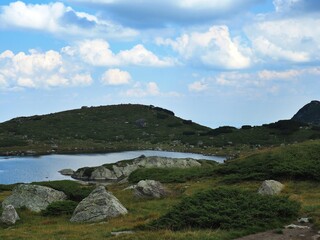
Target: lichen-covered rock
9 215
270 187
121 170
33 197
149 189
99 205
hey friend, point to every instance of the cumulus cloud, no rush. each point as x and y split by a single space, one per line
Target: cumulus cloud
159 13
59 19
285 39
198 86
97 52
38 70
214 48
143 90
115 77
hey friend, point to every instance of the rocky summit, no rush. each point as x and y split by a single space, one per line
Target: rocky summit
99 205
121 170
33 197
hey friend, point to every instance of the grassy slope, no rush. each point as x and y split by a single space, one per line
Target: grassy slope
114 128
307 192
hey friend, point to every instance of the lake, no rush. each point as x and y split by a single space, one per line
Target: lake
45 168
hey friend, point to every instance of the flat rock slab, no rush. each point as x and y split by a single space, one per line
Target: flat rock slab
33 197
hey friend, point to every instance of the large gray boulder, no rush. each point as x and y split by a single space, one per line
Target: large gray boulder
270 187
99 205
149 189
9 215
33 197
121 170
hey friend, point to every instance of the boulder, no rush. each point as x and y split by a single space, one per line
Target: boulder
270 187
99 205
9 215
149 189
102 173
33 197
67 172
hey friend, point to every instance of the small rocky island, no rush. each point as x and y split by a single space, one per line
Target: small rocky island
120 171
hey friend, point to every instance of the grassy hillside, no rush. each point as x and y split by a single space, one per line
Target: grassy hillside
126 127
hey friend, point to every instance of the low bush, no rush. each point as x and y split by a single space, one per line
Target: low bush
74 190
296 162
58 208
228 209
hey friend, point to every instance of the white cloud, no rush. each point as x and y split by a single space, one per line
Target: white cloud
287 39
198 86
115 77
213 48
97 52
59 19
39 70
143 90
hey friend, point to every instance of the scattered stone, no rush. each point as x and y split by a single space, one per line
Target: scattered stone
66 172
9 215
303 220
121 233
33 197
294 226
98 206
270 187
149 189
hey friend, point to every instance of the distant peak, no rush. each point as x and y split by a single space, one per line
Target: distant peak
309 113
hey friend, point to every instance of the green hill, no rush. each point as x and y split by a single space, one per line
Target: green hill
132 127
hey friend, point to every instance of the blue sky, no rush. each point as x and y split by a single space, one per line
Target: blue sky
215 62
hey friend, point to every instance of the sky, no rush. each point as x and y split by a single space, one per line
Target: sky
215 62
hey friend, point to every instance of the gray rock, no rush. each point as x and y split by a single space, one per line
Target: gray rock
9 215
121 170
99 205
149 189
33 197
270 187
67 172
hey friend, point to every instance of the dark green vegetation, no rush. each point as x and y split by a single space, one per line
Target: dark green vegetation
132 127
66 207
74 190
228 209
294 162
174 175
309 114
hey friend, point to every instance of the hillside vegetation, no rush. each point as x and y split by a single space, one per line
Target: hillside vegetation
132 127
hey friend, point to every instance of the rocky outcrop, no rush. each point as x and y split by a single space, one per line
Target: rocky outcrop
99 205
66 172
33 197
121 170
149 189
9 215
270 187
309 114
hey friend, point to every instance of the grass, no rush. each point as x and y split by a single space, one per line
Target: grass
294 162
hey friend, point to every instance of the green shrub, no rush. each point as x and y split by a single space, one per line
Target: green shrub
58 208
228 209
74 190
299 162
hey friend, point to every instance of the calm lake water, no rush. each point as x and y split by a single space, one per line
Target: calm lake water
45 168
